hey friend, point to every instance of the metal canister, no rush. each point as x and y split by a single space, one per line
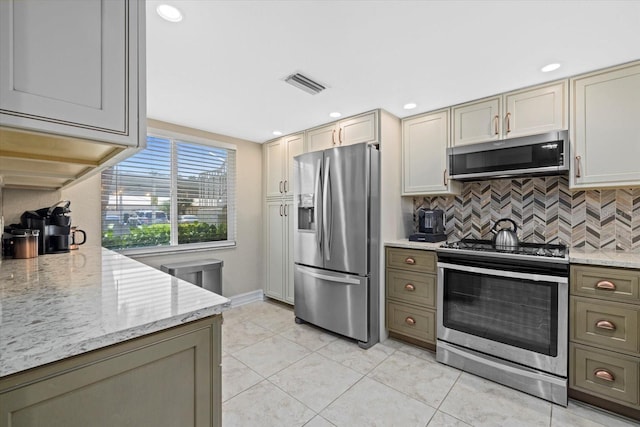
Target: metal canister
24 243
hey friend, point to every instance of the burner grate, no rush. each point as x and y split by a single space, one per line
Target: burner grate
531 249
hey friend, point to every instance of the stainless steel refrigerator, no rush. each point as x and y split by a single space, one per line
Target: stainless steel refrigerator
336 241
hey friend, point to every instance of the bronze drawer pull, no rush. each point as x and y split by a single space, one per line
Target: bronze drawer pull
409 287
606 285
603 374
605 324
410 321
409 261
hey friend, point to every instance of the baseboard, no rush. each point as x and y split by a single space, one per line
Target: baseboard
249 297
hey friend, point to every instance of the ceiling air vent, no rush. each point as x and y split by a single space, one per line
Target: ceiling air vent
304 83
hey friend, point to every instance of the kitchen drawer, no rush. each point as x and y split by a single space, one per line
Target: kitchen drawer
606 324
622 372
411 321
615 284
413 288
412 259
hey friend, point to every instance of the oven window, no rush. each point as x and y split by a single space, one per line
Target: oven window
517 312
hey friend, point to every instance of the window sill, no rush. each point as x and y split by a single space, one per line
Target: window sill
173 250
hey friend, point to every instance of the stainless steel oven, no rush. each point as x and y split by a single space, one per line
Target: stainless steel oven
504 316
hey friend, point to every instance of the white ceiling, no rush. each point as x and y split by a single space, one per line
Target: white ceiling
222 68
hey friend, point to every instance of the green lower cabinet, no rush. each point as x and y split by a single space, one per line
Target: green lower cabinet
414 322
609 375
606 324
170 378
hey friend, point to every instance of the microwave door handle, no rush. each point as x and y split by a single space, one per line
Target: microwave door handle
325 210
317 200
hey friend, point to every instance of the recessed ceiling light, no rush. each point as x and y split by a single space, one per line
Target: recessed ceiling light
277 133
335 114
550 67
170 13
410 106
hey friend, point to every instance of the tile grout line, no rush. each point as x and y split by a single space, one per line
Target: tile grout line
249 368
290 395
447 395
338 397
352 385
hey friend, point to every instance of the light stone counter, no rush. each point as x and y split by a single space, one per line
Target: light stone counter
56 306
605 257
406 244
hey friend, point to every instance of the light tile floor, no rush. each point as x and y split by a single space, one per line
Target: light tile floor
278 373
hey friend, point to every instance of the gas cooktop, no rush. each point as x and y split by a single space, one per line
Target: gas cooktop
538 250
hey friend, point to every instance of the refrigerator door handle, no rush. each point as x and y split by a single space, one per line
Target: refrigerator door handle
326 190
318 204
343 280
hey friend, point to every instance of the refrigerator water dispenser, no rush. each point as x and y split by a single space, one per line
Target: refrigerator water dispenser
306 212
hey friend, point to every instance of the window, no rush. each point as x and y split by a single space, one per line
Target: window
177 192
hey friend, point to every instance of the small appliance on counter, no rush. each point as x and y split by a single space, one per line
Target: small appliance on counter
74 241
430 226
54 226
20 243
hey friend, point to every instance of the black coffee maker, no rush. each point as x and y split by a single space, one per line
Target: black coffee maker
430 226
54 224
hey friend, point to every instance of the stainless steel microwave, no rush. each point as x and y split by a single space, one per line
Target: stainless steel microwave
543 154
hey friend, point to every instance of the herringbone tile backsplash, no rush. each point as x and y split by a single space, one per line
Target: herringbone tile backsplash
545 211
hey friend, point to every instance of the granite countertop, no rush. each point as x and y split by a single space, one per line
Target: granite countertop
406 244
61 305
601 257
605 257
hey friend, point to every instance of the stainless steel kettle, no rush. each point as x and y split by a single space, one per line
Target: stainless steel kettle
505 239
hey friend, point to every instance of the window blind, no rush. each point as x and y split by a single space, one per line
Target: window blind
174 192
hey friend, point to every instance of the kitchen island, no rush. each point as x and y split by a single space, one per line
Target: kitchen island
92 337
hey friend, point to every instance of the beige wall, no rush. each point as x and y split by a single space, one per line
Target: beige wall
242 271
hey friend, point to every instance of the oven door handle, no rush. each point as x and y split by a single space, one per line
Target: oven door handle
504 273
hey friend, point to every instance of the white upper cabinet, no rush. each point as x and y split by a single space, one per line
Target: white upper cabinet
605 128
477 121
425 139
73 68
273 167
536 110
278 164
354 130
523 112
321 138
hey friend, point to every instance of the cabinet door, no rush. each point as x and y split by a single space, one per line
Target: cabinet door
294 145
606 129
288 256
275 250
172 381
66 67
424 154
536 110
273 167
322 138
358 129
606 374
477 122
